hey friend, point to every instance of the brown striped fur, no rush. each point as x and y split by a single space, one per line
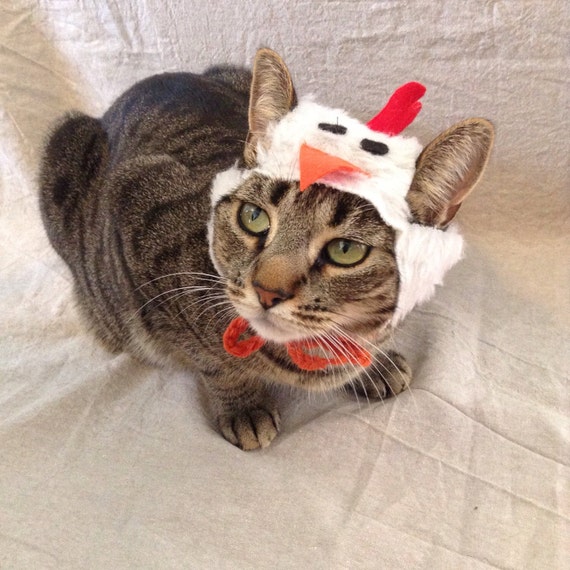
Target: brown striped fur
126 203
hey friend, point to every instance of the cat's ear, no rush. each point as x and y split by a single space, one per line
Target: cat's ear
272 96
448 169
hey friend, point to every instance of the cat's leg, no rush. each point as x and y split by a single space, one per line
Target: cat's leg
244 411
389 375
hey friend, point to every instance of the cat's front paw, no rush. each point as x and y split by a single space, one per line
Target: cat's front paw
388 376
252 428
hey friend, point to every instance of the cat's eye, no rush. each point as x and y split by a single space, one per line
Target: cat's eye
346 252
253 219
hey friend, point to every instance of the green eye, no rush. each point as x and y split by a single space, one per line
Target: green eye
346 252
253 219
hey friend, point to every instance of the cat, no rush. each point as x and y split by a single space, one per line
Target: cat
189 240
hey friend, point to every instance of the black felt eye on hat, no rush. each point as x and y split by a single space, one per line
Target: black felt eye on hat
374 147
335 129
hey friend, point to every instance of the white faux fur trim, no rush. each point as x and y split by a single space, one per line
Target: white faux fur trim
424 255
226 182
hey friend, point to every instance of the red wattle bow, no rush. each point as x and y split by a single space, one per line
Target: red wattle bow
344 351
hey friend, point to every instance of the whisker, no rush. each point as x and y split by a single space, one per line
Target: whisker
358 372
374 364
211 307
224 301
230 310
181 292
196 274
385 355
204 299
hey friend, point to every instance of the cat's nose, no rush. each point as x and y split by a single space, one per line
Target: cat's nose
270 297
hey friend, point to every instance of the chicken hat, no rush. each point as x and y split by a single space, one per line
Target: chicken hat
313 143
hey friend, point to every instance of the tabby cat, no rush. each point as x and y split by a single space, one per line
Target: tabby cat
189 240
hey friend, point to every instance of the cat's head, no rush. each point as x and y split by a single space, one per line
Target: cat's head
328 226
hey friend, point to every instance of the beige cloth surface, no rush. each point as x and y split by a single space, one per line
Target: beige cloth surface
106 463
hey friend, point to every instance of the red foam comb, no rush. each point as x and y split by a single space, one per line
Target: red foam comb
400 111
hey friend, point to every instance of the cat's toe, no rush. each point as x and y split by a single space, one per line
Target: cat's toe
389 376
250 429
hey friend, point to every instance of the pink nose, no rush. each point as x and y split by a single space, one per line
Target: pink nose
269 297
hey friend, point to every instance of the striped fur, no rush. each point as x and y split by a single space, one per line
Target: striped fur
126 203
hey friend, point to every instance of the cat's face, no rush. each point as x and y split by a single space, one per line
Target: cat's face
362 244
305 264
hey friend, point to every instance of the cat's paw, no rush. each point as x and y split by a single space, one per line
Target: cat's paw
388 376
252 428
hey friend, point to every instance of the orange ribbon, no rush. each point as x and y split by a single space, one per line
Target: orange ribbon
344 351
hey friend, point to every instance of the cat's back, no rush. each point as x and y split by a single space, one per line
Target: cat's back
197 121
184 115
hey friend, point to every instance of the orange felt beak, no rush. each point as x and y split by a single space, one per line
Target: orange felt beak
314 164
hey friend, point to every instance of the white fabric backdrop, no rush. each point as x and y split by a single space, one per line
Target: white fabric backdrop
106 463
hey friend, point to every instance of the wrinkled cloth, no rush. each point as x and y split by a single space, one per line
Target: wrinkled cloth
108 463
